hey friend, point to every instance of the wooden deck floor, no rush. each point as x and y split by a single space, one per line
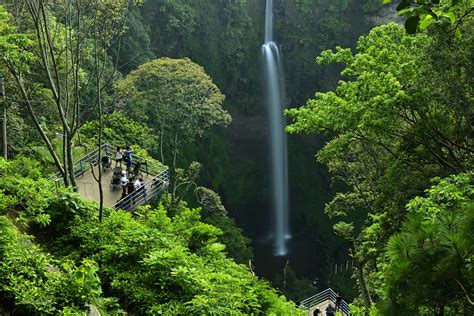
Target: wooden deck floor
88 188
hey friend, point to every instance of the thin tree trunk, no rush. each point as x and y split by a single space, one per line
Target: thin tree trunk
173 169
37 125
4 132
4 121
161 143
363 286
70 163
99 104
64 152
466 293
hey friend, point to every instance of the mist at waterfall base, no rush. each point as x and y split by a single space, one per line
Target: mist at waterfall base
275 97
309 190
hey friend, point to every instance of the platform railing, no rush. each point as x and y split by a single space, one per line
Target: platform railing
150 189
158 183
84 164
326 295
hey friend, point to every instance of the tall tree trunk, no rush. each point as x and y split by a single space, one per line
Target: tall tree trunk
363 285
37 124
173 170
70 163
161 143
99 105
4 120
64 153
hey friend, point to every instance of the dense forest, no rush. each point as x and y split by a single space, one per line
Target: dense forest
380 111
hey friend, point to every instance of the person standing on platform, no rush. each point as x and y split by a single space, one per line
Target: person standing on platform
128 157
118 157
330 311
317 312
131 190
124 182
338 301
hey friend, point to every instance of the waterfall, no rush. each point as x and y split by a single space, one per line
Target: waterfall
275 96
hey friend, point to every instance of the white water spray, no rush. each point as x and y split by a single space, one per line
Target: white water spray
274 89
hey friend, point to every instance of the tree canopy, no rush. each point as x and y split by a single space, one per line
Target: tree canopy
395 123
430 261
150 264
420 14
175 95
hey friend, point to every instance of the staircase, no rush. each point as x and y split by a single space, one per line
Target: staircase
322 300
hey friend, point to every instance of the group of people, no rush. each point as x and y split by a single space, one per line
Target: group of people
125 156
129 184
330 310
133 188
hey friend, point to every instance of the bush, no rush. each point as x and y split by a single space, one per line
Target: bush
32 281
155 264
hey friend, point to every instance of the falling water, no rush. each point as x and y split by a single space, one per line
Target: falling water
274 88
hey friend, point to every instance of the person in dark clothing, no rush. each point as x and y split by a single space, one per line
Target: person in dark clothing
128 157
121 202
338 301
131 190
317 312
330 311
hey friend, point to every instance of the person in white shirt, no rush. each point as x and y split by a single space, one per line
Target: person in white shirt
118 157
140 188
124 181
138 184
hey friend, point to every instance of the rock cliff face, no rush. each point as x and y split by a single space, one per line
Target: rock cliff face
246 193
230 53
386 15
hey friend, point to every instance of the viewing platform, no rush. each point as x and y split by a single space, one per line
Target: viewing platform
323 300
155 179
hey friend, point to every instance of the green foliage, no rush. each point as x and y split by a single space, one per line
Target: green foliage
344 230
395 123
430 261
237 246
371 6
162 265
120 130
420 14
133 48
23 192
296 289
210 201
176 95
218 35
178 99
13 45
214 213
448 193
151 264
31 282
362 311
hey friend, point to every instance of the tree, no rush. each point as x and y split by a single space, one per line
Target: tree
420 14
64 34
214 213
402 118
430 260
177 98
133 49
12 50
